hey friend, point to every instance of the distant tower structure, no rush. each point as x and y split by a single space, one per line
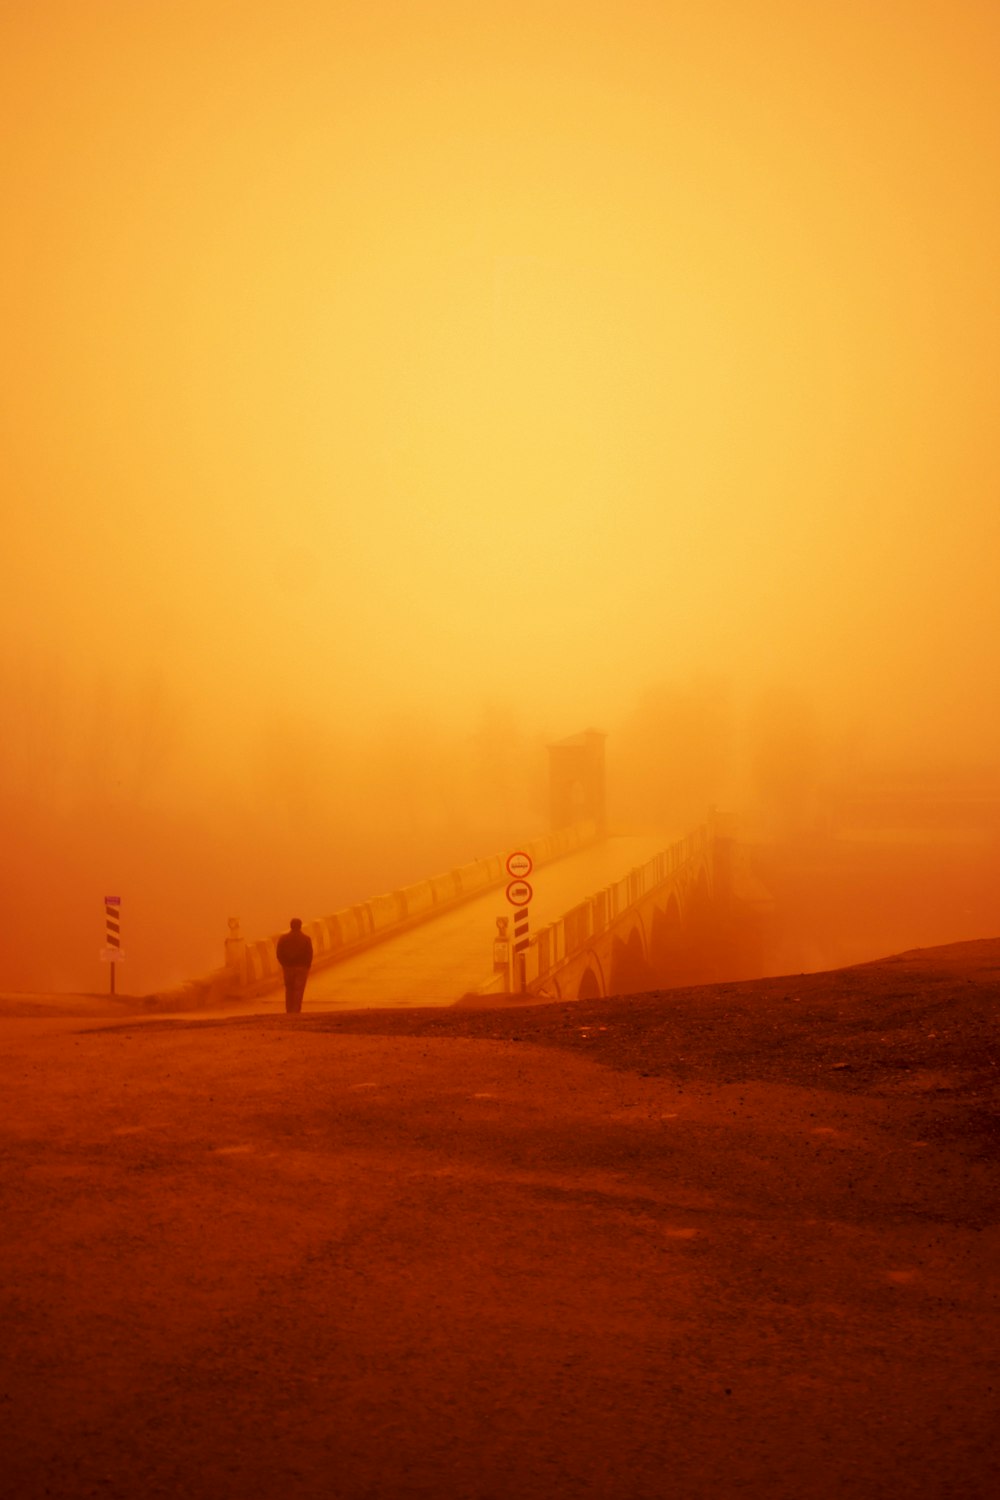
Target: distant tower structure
576 780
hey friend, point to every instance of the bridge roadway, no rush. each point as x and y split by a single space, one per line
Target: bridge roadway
437 962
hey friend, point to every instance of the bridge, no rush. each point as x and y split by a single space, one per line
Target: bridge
652 926
612 913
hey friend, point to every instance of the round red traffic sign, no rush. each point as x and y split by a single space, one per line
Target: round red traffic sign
519 865
519 893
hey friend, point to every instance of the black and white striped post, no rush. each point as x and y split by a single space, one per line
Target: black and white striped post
112 950
521 939
519 894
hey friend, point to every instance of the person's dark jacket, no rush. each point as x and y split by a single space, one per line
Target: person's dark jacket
294 950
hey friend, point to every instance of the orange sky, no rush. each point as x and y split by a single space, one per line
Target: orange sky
376 359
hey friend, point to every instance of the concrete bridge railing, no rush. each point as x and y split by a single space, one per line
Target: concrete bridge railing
252 967
685 916
572 957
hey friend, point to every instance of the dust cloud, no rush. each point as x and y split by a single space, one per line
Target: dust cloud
390 390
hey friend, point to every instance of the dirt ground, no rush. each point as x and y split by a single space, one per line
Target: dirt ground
731 1241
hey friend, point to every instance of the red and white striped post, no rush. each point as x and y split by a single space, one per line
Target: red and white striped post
112 953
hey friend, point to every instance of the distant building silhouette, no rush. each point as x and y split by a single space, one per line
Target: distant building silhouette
577 781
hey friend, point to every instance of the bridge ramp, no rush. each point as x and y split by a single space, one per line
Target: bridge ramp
443 959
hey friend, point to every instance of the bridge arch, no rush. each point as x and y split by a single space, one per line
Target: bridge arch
630 972
666 939
592 986
700 906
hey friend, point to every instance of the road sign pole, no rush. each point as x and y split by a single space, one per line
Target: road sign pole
521 941
112 933
519 894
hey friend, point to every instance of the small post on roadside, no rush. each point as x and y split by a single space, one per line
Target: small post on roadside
112 953
501 953
236 955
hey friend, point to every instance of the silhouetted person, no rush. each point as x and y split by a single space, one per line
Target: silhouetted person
295 955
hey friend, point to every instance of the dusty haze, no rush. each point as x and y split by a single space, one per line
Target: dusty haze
390 387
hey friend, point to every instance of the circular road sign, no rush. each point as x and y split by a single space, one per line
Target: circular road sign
519 865
519 893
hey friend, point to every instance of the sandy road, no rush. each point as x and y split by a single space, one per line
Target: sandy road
276 1257
442 959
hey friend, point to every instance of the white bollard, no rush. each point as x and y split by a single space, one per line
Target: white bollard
236 955
501 953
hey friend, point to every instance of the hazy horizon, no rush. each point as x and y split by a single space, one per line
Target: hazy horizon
391 389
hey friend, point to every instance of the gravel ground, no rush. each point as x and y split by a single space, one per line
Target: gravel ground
920 1027
728 1241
